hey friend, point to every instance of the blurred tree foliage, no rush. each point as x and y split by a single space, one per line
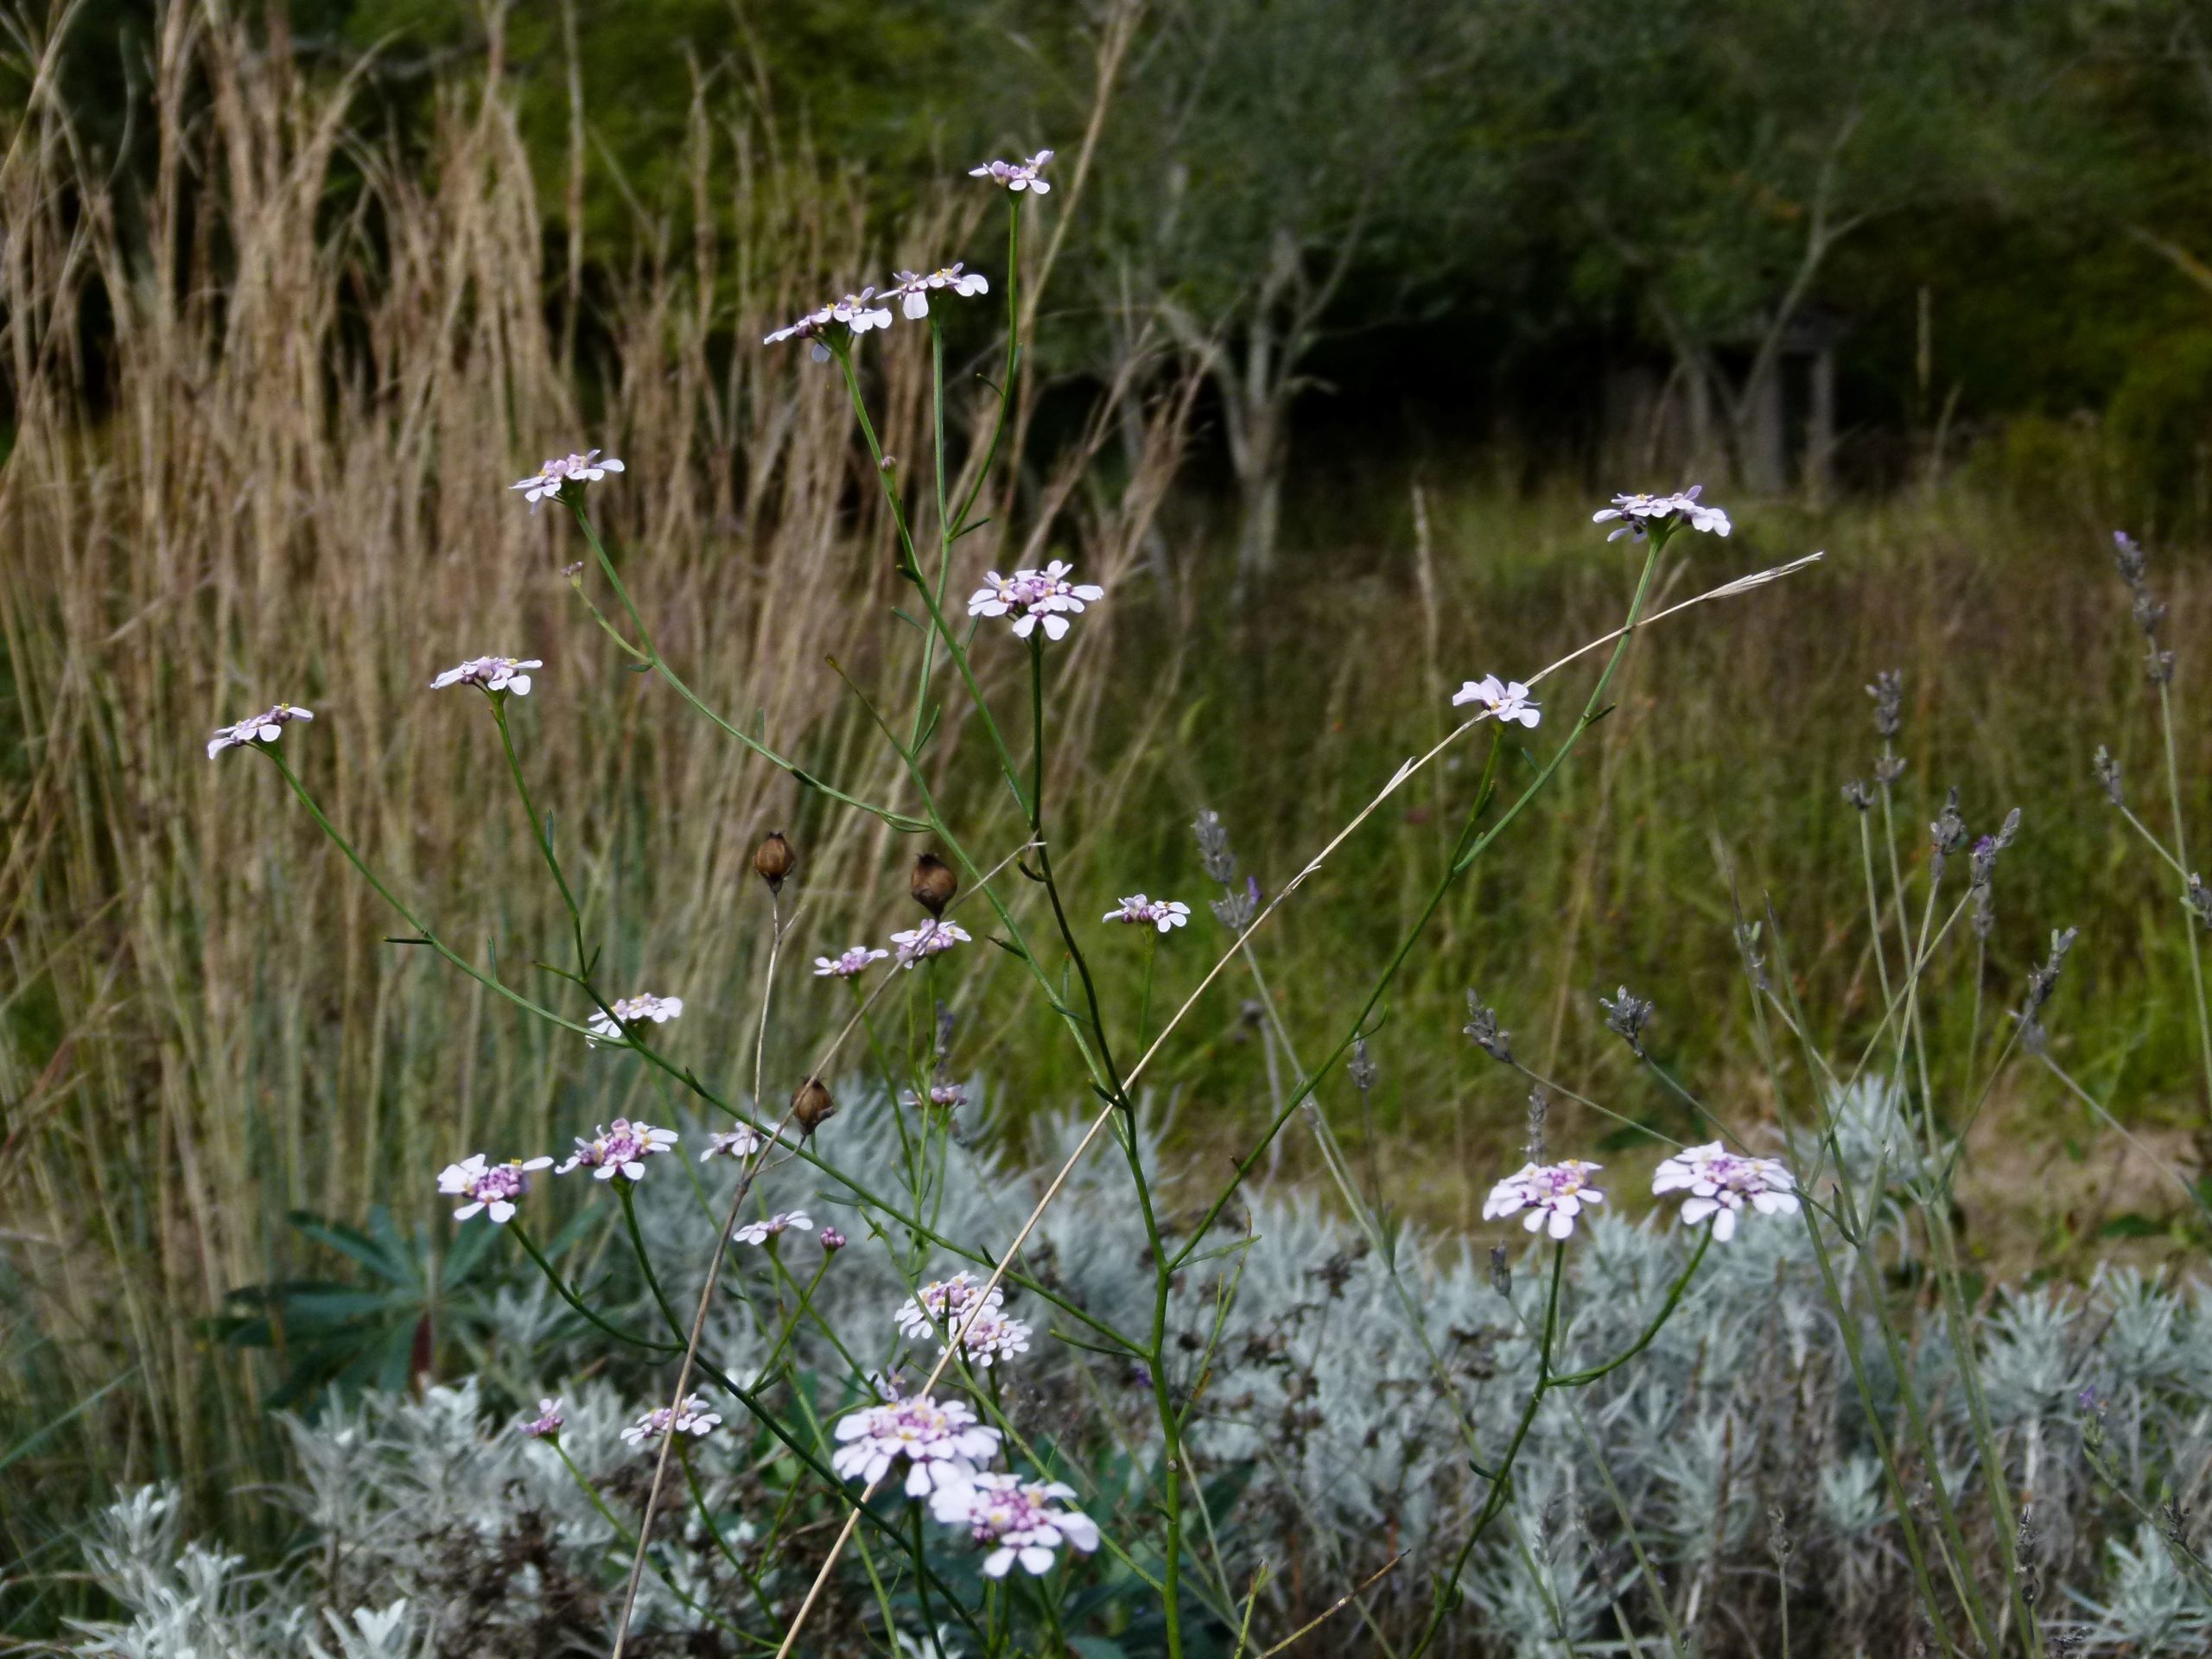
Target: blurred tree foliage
2008 203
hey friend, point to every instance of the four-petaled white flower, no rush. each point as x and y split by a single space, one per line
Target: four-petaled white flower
912 287
861 312
689 1416
1141 912
493 673
1720 1183
1552 1194
1016 176
946 1301
1638 513
759 1232
932 938
545 483
620 1148
630 1011
941 1444
265 727
1022 1521
807 327
494 1187
992 1336
548 1422
740 1142
1506 700
1034 596
847 965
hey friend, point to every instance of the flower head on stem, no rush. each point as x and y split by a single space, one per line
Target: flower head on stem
932 938
849 964
1138 911
633 1010
1017 175
1022 1521
619 1150
941 1444
548 480
689 1416
492 1188
1506 699
1639 514
548 1423
759 1232
1720 1183
1552 1194
946 1301
265 728
492 673
912 289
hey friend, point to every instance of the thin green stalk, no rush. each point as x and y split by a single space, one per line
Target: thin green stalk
561 1288
2181 863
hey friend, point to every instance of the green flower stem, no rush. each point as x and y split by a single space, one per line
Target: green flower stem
561 1288
2181 863
1013 365
1579 1379
644 1257
538 832
649 653
488 980
714 1531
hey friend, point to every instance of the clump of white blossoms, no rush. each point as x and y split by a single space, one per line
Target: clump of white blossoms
931 939
858 312
1017 175
848 964
1639 513
546 482
1141 912
493 673
946 1301
1022 1521
941 1444
1044 596
991 1335
1506 700
265 728
494 1187
1720 1183
633 1010
759 1232
740 1142
912 288
689 1416
1552 1194
620 1148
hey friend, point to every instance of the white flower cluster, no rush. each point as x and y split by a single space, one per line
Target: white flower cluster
493 1189
265 728
1719 1183
1033 597
1017 176
932 938
1639 513
689 1416
633 1010
547 482
1138 911
492 673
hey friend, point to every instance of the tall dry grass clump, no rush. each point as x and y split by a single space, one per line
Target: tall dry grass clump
309 352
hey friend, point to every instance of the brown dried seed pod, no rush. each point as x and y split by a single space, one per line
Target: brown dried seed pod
773 859
812 1106
934 884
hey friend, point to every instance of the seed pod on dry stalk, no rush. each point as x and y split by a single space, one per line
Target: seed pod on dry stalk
773 859
933 884
812 1106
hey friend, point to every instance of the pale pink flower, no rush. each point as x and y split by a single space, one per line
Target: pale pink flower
990 1335
946 1301
493 673
912 289
620 1149
1141 912
831 1239
1639 513
545 484
1506 700
932 938
265 728
941 1444
740 1142
1016 176
1552 1194
1720 1183
689 1416
494 1188
807 327
630 1011
1022 1521
548 1422
759 1232
847 965
1033 597
950 1096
